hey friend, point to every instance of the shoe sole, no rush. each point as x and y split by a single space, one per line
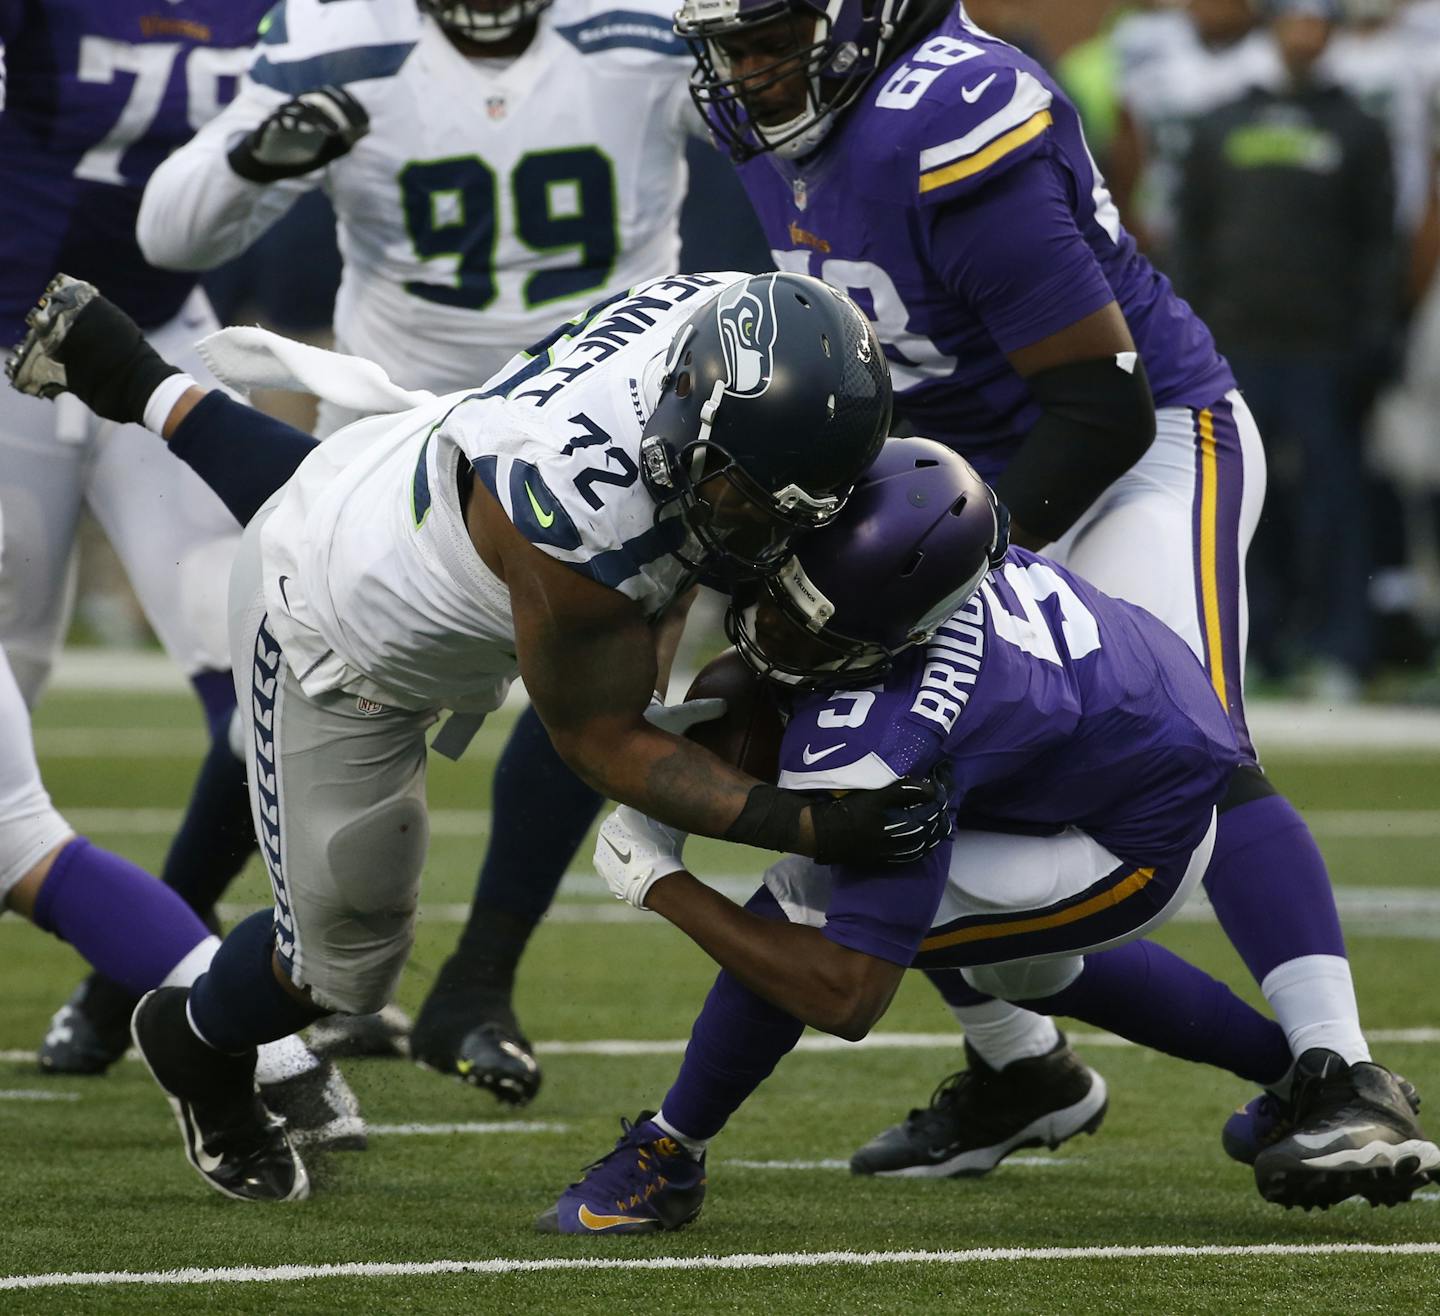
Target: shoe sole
506 1090
1383 1173
299 1191
1051 1130
548 1222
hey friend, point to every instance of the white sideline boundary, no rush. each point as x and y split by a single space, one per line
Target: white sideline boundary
731 1261
821 1042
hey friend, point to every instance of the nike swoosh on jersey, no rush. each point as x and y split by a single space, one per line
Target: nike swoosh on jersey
819 754
284 595
546 519
972 94
591 1220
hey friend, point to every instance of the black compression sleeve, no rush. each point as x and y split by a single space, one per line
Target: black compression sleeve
242 454
1097 420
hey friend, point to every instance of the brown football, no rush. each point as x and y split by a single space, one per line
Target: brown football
749 734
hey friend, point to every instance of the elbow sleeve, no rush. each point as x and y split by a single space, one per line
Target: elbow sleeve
1097 420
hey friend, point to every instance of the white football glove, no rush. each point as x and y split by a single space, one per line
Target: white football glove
677 719
634 852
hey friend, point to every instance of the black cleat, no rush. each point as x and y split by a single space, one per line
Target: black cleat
1265 1119
234 1143
319 1109
979 1115
471 1032
383 1035
91 1031
1353 1133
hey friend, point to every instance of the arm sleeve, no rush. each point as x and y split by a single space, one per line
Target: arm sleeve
197 212
1013 253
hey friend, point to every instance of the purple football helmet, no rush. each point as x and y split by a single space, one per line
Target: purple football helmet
484 22
836 46
918 535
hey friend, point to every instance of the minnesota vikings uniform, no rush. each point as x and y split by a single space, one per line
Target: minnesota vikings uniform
96 95
360 609
957 202
1087 751
489 199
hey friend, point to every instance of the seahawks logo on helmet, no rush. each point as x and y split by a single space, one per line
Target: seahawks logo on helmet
747 327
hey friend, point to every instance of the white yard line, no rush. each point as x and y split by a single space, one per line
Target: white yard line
474 1126
1342 824
820 1042
35 1094
732 1261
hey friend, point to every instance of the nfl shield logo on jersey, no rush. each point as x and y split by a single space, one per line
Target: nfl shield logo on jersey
495 106
368 707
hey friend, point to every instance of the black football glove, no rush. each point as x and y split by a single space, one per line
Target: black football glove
302 135
895 825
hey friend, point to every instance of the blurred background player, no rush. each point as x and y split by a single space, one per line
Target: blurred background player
947 185
1174 63
96 95
1286 181
476 207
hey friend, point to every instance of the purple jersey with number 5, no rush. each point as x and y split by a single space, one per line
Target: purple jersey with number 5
958 203
96 94
1054 706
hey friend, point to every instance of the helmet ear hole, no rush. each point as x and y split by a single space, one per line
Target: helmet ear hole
958 506
912 566
803 300
923 462
682 383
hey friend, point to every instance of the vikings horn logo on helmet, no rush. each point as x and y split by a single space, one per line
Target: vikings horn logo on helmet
747 337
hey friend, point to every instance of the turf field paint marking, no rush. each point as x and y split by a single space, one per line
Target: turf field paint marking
475 1126
1031 1161
35 1094
1346 824
626 1046
731 1261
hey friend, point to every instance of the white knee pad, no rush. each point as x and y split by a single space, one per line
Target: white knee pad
1025 980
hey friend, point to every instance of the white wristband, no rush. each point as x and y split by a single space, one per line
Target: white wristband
162 401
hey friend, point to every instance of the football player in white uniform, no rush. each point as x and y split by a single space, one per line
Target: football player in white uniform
545 526
495 167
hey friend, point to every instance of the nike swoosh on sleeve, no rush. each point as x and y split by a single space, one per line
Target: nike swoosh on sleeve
972 94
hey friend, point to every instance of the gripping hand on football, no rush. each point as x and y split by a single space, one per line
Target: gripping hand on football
634 852
302 135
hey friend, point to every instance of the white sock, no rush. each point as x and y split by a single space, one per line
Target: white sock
1003 1033
695 1146
162 401
1314 999
197 960
284 1059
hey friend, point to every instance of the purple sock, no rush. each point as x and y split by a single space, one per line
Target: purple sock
131 927
736 1042
1268 883
1143 992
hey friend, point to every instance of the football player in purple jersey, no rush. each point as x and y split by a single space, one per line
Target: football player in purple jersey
95 95
941 177
1091 764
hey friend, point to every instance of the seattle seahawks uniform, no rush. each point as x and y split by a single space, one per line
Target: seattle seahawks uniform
1087 751
96 95
360 608
489 197
927 202
1168 78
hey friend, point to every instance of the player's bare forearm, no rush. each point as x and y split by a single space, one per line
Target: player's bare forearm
795 968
